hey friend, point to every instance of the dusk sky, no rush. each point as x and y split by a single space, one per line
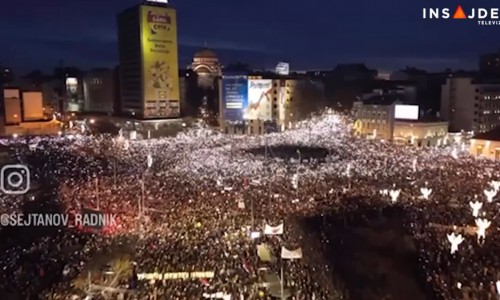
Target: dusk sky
313 34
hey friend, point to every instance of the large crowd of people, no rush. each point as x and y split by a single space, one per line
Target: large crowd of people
199 204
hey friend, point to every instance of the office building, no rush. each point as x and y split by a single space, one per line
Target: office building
99 90
387 117
470 104
149 79
256 104
489 63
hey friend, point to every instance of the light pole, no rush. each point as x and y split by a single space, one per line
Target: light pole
252 213
114 172
142 200
97 191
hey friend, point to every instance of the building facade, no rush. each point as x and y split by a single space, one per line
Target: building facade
272 104
207 66
147 42
470 104
99 90
32 106
12 106
421 133
376 118
486 144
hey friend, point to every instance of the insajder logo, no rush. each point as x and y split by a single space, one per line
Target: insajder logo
484 16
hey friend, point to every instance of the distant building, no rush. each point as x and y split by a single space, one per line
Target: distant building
99 90
32 106
207 66
387 117
68 89
12 102
489 63
407 91
256 104
346 72
50 96
148 55
486 144
7 75
471 104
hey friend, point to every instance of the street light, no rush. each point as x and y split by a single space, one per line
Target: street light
149 162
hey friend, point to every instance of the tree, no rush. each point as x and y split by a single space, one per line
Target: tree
308 100
122 267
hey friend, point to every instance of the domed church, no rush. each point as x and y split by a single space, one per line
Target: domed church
207 66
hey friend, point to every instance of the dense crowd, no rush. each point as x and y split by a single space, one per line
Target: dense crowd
200 202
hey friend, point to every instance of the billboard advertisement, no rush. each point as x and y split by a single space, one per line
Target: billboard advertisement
260 99
160 62
234 97
406 112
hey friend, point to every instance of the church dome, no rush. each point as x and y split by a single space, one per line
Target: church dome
205 53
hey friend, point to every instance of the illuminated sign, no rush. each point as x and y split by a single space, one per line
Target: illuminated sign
160 58
159 1
484 16
234 97
259 99
406 112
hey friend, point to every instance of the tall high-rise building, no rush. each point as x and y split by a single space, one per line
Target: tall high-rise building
149 71
471 104
489 63
99 90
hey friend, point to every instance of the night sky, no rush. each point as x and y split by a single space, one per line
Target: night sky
313 34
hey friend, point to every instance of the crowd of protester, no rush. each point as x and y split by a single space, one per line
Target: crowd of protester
194 203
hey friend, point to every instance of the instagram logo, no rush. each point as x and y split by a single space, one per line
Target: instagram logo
15 179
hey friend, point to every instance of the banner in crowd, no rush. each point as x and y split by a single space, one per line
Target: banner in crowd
264 253
269 230
291 254
179 275
219 295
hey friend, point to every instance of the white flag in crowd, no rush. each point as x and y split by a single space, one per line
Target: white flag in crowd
241 204
291 254
219 295
269 230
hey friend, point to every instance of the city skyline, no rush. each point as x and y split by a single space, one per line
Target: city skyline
381 35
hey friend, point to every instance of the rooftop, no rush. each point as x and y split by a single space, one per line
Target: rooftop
386 99
492 135
205 53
